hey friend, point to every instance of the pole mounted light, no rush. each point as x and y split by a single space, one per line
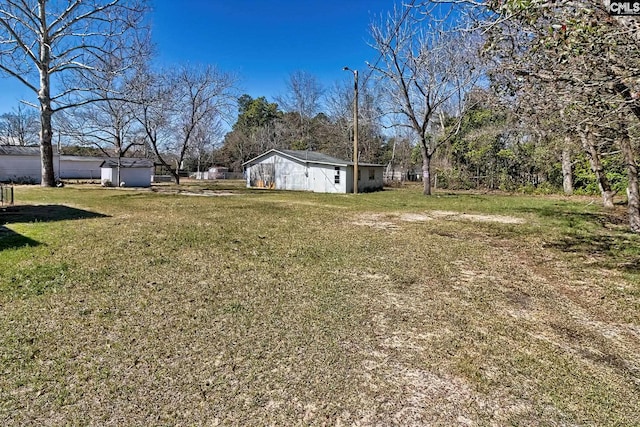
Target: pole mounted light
355 128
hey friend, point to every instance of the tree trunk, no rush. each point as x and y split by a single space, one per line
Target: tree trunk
153 141
633 192
176 172
596 166
567 175
48 178
426 169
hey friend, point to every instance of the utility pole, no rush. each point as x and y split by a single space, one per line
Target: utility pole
355 128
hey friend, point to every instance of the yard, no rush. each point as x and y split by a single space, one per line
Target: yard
223 306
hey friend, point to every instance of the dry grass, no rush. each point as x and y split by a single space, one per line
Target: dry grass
267 308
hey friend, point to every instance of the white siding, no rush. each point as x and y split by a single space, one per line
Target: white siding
23 168
278 172
323 179
349 188
366 183
77 167
136 177
132 177
273 170
290 175
106 176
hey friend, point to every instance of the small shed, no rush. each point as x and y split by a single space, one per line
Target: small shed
310 171
80 167
126 172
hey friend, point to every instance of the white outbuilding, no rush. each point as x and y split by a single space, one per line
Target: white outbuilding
126 172
80 167
310 171
22 165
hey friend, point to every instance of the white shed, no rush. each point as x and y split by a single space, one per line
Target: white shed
310 171
127 172
80 167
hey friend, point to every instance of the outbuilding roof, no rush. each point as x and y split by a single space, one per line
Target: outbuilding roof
127 162
82 158
21 150
306 156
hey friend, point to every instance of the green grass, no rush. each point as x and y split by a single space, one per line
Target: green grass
123 307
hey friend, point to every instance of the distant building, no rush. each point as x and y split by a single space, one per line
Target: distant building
310 171
214 172
20 164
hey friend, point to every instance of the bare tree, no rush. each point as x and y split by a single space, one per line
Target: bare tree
303 97
45 45
109 124
19 127
633 187
152 111
339 104
182 110
427 66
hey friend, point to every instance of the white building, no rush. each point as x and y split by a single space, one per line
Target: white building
126 172
310 171
80 167
19 164
22 165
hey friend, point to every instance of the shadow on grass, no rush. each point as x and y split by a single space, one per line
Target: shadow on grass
616 252
9 239
35 213
575 218
44 213
603 237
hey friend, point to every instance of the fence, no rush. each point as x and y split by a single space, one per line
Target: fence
216 175
400 176
6 194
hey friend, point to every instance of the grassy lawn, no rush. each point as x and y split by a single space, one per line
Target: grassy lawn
214 305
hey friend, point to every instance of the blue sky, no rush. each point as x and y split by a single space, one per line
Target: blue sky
262 42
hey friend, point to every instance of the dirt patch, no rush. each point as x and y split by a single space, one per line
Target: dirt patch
391 220
378 221
414 217
450 215
193 192
208 193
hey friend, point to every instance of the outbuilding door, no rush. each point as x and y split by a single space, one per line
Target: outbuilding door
262 175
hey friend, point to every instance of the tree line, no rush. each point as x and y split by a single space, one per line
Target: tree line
306 117
564 78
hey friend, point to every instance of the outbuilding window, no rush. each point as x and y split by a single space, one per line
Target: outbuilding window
372 174
336 178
